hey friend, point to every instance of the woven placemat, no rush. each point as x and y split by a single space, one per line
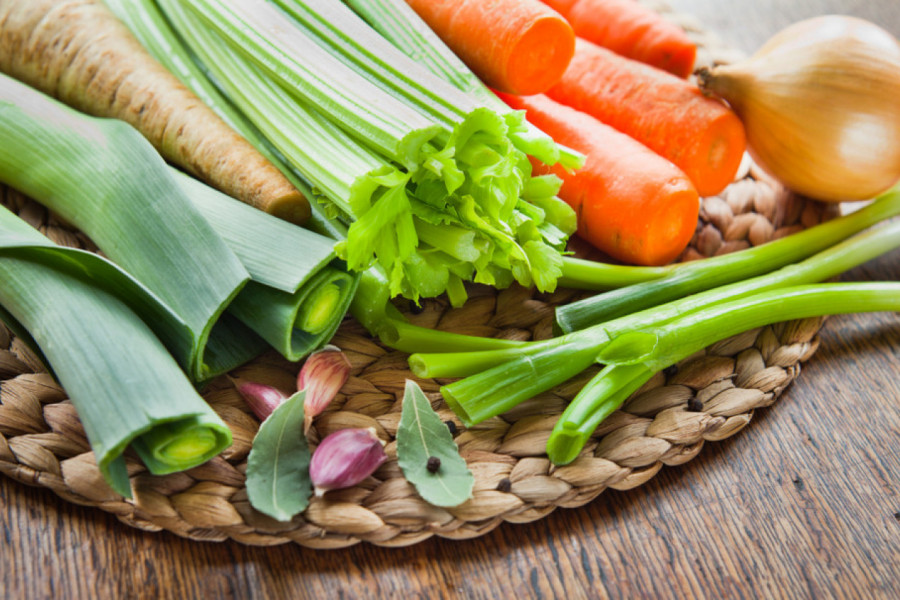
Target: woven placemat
707 397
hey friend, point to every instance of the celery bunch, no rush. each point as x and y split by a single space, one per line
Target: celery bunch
429 180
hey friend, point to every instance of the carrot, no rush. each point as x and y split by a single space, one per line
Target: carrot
631 29
516 46
669 115
79 52
631 203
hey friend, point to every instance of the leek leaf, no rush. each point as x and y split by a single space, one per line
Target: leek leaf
299 291
103 177
69 303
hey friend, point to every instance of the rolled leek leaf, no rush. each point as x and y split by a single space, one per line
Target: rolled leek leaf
76 308
299 292
107 180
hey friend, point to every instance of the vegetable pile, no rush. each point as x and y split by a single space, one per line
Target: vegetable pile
432 187
372 123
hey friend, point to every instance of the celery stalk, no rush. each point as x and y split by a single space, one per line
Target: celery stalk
399 23
389 210
264 34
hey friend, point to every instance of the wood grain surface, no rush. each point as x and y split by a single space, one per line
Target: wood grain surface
803 503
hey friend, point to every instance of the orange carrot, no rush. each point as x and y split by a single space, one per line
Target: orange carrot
631 203
631 29
79 52
516 46
669 115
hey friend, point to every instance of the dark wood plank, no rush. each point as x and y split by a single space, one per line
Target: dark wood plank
803 503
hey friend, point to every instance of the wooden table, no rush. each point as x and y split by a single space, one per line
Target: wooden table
803 503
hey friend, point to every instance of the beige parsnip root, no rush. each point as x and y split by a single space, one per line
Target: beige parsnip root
79 52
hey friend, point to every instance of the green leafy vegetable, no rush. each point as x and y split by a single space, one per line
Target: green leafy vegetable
100 174
427 454
76 309
467 178
278 481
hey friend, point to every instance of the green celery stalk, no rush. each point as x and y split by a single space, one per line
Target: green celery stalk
399 23
75 307
479 131
265 35
101 175
372 193
339 31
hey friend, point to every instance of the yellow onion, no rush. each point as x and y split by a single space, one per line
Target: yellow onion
821 105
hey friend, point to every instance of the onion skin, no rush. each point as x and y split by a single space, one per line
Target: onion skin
820 102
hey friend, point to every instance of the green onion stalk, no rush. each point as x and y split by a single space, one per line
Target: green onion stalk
635 346
637 288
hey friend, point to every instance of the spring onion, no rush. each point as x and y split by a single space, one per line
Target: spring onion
687 278
496 380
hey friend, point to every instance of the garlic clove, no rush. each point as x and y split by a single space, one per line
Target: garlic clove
819 104
345 458
323 375
261 398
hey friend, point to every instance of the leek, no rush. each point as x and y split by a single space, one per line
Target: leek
75 307
299 291
99 176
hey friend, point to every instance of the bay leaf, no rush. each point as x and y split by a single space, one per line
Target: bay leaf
423 436
278 483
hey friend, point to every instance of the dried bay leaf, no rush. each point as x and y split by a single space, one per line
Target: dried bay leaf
278 483
423 439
